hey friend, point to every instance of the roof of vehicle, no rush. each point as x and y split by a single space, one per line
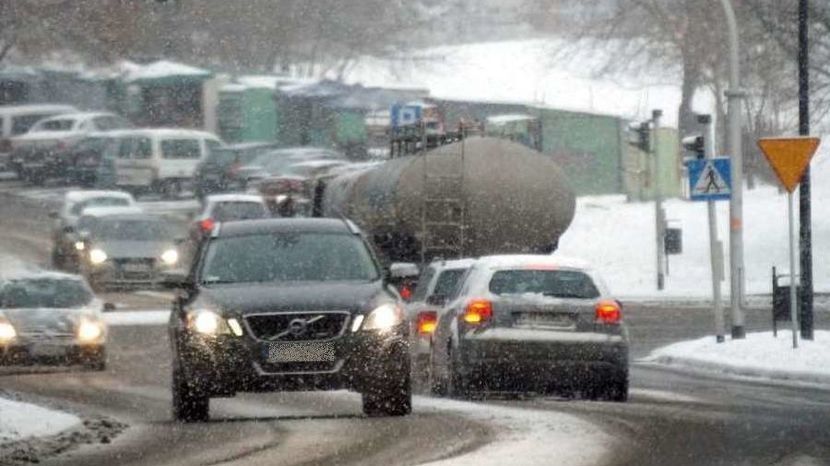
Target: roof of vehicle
78 116
233 197
452 264
522 260
38 274
111 210
280 225
303 150
317 164
249 145
163 132
80 196
36 109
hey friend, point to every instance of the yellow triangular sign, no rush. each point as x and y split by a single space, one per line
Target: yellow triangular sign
789 157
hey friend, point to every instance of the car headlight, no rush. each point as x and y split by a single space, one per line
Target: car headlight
170 257
80 245
97 256
7 332
384 317
90 330
210 323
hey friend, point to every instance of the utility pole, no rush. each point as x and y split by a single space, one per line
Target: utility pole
715 246
805 221
658 200
734 95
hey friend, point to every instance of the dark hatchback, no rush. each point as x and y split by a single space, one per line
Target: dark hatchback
286 305
218 172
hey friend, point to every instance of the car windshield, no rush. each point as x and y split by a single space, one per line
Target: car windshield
447 281
99 202
130 230
44 293
229 211
556 283
288 257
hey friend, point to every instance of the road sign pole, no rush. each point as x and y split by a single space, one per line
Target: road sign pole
658 200
715 255
793 281
805 219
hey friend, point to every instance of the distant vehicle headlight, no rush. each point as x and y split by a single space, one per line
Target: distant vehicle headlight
384 317
80 245
97 256
90 330
170 257
7 332
207 323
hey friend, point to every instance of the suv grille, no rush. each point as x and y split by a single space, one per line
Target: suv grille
297 326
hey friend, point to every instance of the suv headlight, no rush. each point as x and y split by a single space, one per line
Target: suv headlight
90 330
384 317
170 257
205 322
97 256
7 332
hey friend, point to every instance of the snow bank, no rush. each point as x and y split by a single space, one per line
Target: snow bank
537 436
759 355
163 69
23 420
136 318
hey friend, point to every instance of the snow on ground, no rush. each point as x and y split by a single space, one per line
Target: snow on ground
538 435
136 318
617 237
23 420
760 355
529 71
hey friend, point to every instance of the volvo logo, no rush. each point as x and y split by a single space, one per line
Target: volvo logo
297 327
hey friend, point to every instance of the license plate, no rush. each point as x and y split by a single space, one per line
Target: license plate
47 350
545 320
300 352
136 267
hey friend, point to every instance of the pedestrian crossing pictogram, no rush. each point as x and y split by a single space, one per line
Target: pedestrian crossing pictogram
710 179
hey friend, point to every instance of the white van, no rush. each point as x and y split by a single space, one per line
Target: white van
17 119
160 160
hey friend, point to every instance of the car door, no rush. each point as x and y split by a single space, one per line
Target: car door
134 162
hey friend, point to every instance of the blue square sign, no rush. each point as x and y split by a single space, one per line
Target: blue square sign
710 179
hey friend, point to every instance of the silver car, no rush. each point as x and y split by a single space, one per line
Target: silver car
51 316
531 323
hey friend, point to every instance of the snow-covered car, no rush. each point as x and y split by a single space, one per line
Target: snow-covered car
222 208
435 284
529 323
65 219
86 223
219 172
128 250
161 160
17 119
275 163
51 316
39 152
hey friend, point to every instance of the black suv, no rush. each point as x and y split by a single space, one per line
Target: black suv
287 304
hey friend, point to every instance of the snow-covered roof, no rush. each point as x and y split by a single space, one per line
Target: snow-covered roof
164 133
80 196
36 109
522 260
97 211
163 69
79 116
509 118
219 198
453 263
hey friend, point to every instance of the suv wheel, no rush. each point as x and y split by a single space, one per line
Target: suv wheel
458 385
190 402
617 389
392 394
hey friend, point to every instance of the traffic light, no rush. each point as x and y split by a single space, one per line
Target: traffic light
695 146
642 136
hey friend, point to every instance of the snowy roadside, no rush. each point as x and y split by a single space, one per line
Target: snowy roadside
759 356
19 420
537 436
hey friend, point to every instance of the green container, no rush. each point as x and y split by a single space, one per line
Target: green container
247 114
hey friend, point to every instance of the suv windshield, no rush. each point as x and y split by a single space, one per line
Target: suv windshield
288 257
229 211
130 230
558 283
44 292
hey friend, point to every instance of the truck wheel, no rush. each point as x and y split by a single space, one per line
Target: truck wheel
392 394
190 402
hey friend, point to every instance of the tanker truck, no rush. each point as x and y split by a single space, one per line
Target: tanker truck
473 197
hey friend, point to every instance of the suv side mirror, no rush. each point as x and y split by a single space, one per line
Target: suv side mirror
109 307
437 299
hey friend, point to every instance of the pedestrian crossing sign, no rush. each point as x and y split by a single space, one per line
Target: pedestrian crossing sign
710 179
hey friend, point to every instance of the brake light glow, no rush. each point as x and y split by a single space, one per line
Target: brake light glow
478 311
608 312
427 322
207 225
405 292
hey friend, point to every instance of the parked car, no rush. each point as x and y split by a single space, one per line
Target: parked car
161 160
287 304
128 250
274 163
51 316
38 152
17 119
531 324
218 172
91 162
436 284
66 218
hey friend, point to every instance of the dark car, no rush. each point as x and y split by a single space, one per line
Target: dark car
531 324
287 304
91 162
276 162
218 172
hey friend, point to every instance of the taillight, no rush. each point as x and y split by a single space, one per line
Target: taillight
608 312
405 292
427 322
207 225
478 311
